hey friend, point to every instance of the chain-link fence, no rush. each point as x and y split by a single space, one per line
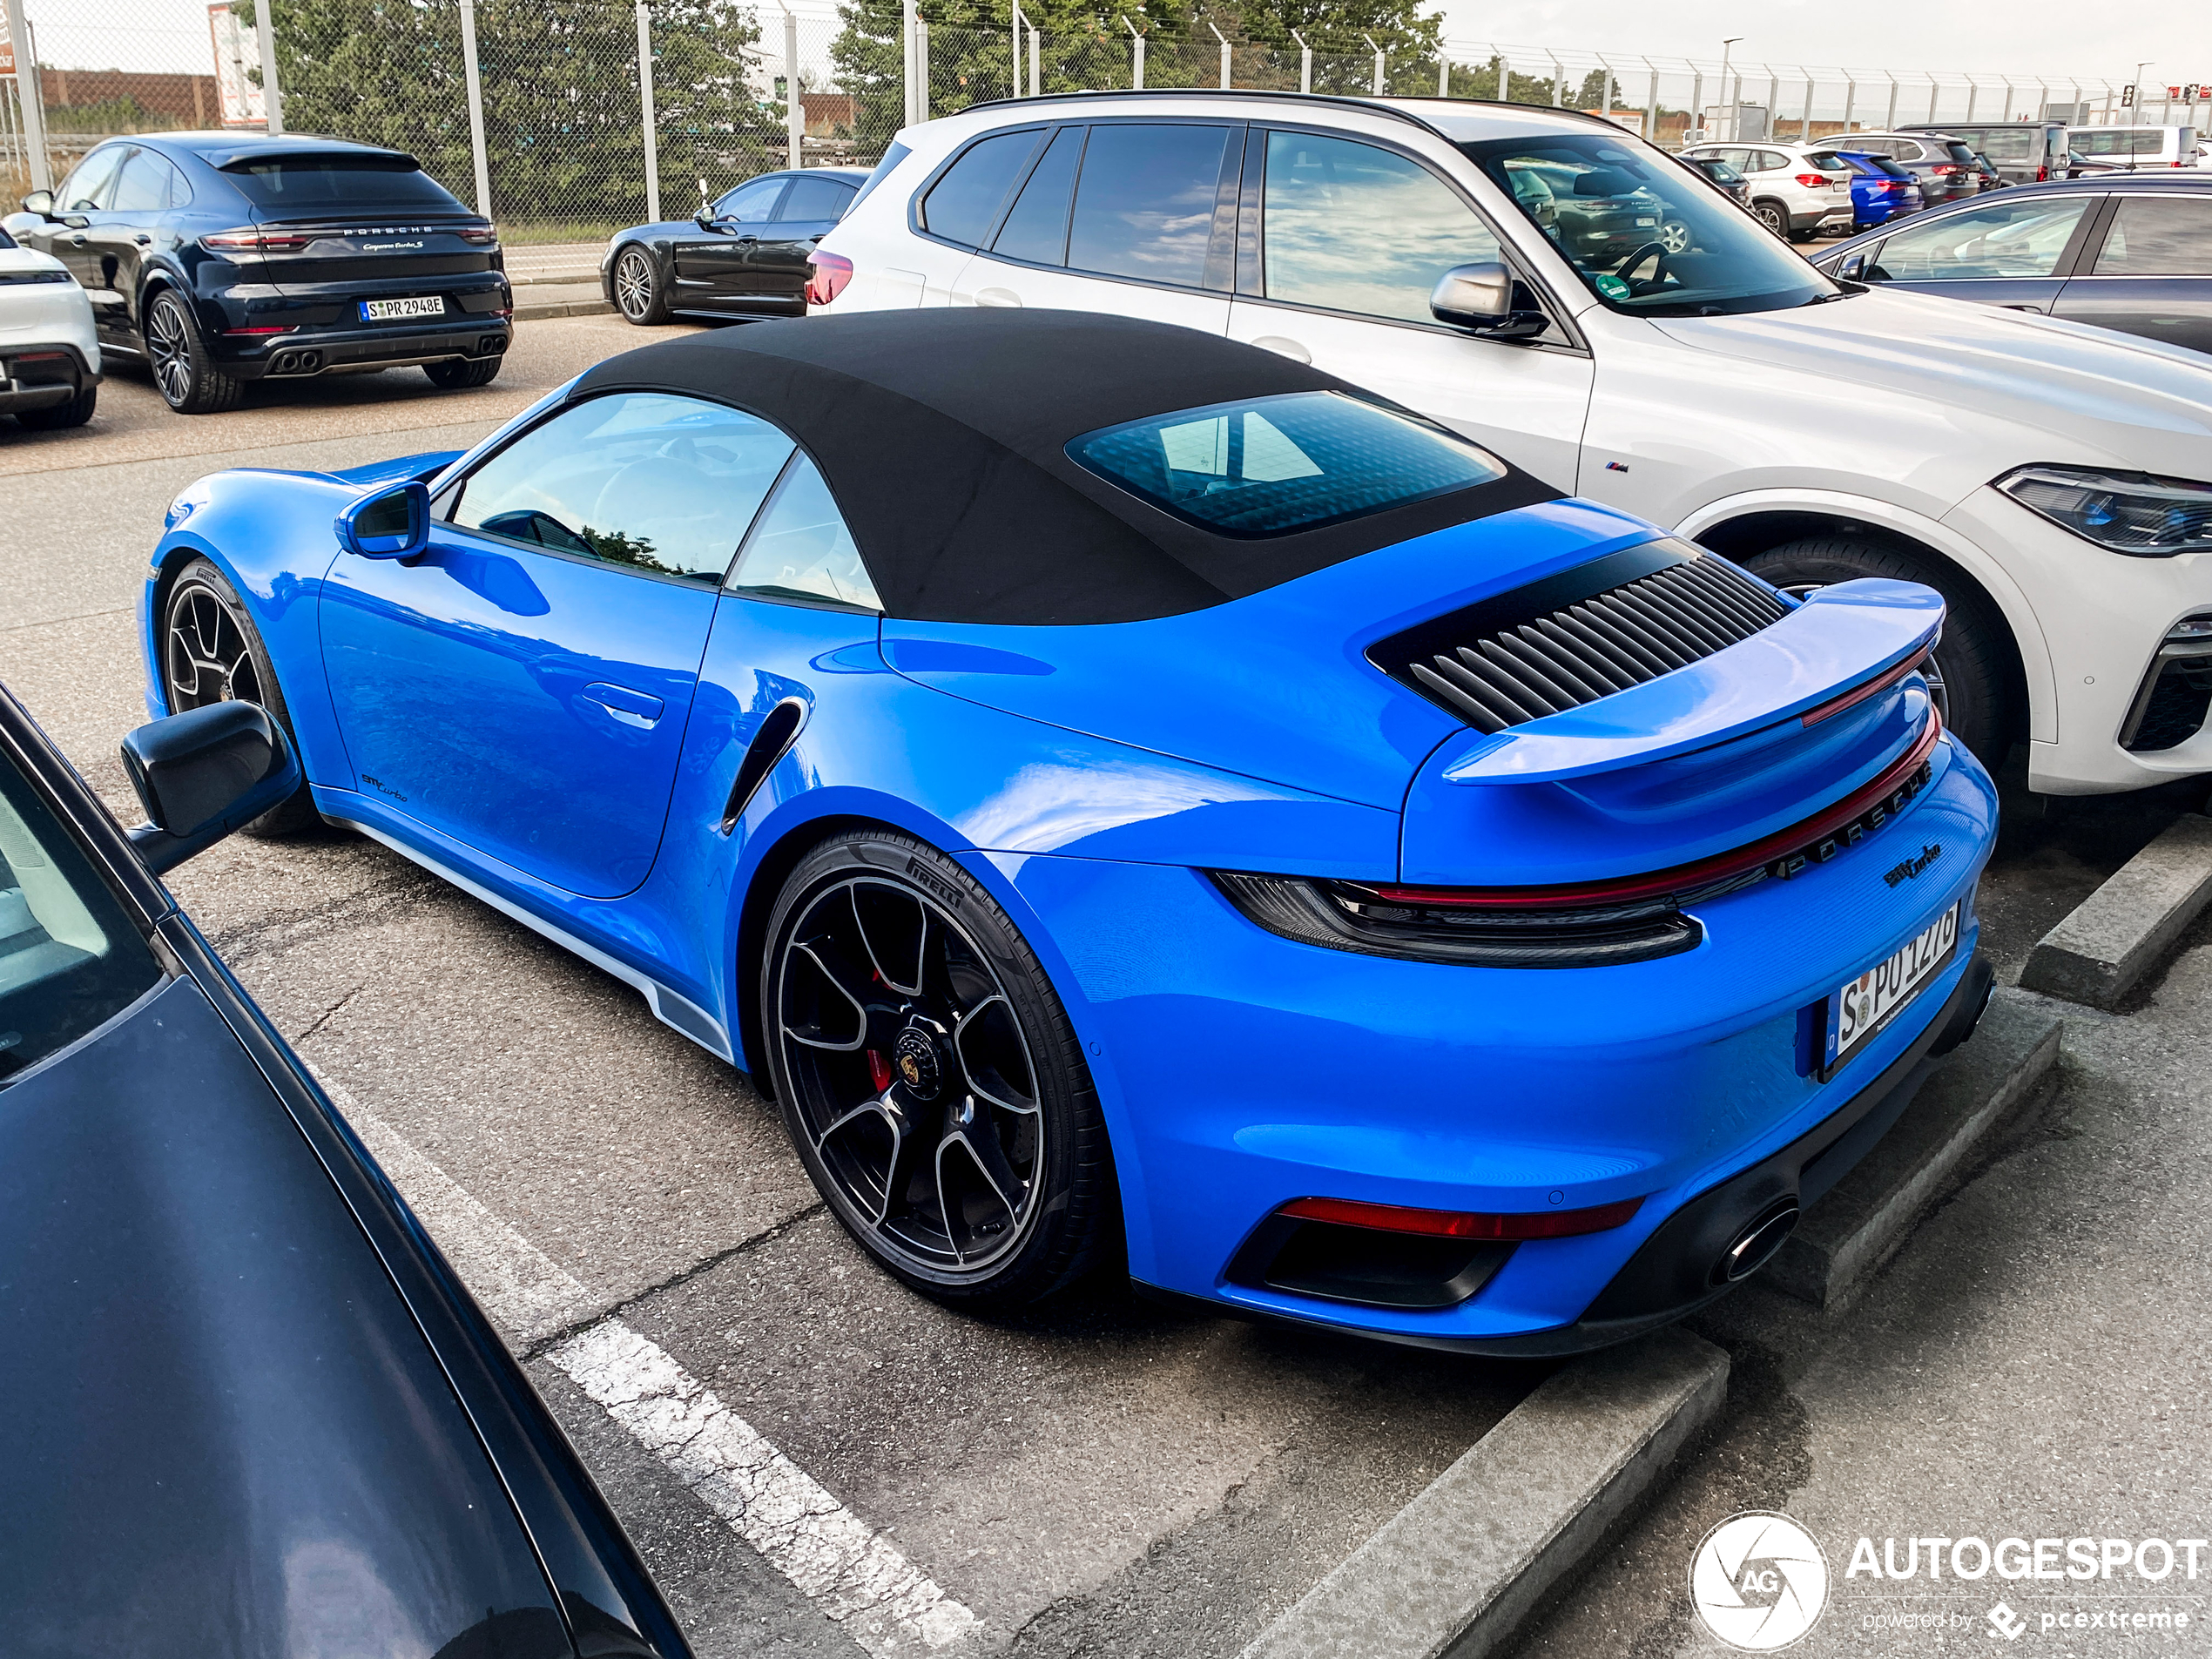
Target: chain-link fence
536 110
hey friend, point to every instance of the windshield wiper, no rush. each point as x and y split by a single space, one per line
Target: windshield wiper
1823 299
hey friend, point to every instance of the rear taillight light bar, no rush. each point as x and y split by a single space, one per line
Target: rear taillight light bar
1814 181
252 240
827 275
1447 1224
475 238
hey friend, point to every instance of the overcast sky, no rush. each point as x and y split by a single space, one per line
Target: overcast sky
2031 37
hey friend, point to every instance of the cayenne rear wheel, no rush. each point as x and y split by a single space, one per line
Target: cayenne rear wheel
637 288
929 1077
1971 676
1675 236
184 370
211 653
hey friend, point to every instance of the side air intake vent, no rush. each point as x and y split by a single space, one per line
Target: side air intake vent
1579 635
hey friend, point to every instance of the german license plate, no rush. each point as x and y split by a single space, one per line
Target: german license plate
1861 1008
1647 221
387 310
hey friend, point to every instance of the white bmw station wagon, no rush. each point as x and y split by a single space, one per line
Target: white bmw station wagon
1583 303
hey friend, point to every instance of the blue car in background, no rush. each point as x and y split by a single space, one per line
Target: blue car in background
1880 190
1119 790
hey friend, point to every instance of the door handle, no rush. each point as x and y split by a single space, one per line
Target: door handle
1283 347
77 240
2020 305
142 239
742 240
998 297
631 708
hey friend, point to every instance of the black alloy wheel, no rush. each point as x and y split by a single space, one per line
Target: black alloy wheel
928 1077
637 288
184 371
457 372
211 653
1968 674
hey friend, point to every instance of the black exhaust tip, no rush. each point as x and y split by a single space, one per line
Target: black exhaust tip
1752 1248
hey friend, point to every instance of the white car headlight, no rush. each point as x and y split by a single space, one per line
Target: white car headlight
2136 513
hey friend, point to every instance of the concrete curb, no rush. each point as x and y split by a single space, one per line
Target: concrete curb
547 309
1459 1569
1846 1237
2124 929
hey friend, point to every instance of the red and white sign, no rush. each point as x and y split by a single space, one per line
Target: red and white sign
237 53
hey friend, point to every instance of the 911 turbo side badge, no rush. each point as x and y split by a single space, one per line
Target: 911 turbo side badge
1912 867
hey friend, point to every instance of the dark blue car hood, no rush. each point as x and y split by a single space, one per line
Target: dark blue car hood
223 1434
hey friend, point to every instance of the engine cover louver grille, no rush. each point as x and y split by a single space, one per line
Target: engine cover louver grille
1585 633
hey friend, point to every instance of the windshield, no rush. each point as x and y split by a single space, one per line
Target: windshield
1614 207
69 959
1270 465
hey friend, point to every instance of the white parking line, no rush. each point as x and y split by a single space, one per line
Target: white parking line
852 1572
849 1571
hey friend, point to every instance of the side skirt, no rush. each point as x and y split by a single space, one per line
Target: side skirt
678 1013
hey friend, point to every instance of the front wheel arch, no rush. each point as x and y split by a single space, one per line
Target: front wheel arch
1745 537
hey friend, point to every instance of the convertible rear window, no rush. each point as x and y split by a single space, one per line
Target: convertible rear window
1272 465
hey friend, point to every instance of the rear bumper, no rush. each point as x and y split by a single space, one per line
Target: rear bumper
305 352
1672 1273
35 376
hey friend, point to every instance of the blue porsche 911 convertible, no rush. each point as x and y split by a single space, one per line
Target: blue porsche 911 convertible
1108 783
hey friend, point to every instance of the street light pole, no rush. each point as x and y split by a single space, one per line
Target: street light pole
1734 109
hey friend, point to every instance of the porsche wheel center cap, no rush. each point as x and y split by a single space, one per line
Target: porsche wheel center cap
915 1057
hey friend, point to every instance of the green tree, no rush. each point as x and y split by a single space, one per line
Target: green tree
563 129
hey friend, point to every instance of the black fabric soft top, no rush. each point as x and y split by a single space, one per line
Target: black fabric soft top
943 436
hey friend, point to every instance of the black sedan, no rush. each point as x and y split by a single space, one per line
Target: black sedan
743 256
221 258
250 1410
2127 251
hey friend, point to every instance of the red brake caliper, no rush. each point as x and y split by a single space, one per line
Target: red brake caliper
879 1070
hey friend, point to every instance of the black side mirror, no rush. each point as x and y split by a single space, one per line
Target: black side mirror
1852 267
202 774
1479 298
392 524
40 202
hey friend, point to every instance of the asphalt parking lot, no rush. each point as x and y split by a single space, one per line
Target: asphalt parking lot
1104 1477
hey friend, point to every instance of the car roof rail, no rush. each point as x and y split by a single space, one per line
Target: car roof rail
1329 100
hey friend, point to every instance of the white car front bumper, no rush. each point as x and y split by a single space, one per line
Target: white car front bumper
2104 619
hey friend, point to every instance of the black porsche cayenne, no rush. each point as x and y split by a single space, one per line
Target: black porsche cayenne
220 259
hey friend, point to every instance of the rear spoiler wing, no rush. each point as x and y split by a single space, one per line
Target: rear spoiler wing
1842 644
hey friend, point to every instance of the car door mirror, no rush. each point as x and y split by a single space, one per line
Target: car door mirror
40 202
202 774
392 524
1479 298
1851 268
76 221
